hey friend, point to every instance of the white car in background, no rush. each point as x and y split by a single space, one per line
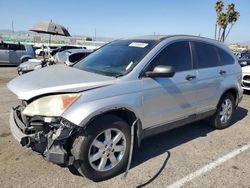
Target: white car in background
71 56
246 78
44 50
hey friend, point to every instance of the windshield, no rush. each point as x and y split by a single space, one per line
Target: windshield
117 58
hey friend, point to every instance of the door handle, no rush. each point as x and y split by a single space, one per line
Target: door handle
222 72
190 77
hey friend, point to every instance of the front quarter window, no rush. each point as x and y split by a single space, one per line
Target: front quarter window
117 58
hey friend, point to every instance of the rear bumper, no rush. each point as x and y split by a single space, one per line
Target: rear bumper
52 145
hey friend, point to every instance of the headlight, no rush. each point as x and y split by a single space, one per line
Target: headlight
53 105
28 68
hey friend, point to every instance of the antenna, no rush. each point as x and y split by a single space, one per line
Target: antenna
12 26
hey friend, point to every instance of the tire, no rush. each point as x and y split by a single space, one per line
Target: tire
25 59
83 146
42 53
216 120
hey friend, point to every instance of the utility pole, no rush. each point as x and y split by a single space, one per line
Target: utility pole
12 26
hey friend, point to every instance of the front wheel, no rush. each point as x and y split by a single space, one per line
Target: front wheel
224 114
104 153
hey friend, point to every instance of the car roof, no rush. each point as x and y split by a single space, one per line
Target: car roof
160 38
163 37
147 37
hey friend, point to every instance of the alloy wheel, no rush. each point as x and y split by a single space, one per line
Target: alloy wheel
107 149
226 111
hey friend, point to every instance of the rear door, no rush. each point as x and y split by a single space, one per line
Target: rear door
209 75
16 52
170 99
4 53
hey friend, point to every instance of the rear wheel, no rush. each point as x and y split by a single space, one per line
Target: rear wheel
104 153
223 116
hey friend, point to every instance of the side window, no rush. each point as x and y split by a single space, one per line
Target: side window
226 58
4 46
16 47
21 47
12 46
206 55
177 55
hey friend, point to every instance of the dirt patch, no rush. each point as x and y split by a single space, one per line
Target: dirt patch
5 135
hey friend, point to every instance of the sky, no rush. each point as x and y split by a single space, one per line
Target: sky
117 19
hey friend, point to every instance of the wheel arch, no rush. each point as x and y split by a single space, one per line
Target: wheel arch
234 92
127 115
25 56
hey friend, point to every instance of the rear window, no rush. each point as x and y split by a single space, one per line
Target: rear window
206 55
226 59
76 57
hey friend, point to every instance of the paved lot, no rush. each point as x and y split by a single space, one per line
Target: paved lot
192 147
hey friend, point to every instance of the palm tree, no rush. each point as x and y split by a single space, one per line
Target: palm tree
219 5
233 18
224 19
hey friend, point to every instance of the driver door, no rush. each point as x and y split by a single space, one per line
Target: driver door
170 99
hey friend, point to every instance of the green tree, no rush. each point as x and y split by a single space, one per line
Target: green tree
224 20
219 5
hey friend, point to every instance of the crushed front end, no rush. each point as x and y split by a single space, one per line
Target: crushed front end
49 136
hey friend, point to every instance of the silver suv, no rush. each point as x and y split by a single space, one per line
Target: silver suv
85 115
14 54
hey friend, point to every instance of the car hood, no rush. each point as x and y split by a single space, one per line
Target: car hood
246 69
56 79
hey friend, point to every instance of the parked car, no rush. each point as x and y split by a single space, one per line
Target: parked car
246 78
63 48
70 57
33 64
14 54
45 50
244 59
90 115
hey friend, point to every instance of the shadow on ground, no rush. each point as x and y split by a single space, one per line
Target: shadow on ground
161 143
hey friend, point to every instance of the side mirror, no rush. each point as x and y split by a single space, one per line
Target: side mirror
161 71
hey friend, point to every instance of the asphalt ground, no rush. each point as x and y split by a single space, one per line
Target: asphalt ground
195 155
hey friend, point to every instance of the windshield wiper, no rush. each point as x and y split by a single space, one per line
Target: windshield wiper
119 75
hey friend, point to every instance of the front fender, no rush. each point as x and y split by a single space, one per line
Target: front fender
80 113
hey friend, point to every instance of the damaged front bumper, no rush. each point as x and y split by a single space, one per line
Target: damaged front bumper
52 139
